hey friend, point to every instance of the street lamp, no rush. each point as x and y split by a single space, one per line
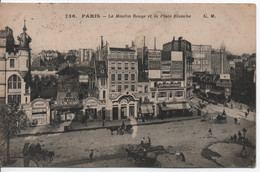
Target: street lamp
244 132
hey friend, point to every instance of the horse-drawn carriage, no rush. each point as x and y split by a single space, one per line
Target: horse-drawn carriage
221 119
143 155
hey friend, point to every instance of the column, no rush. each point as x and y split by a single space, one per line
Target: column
127 110
135 104
119 111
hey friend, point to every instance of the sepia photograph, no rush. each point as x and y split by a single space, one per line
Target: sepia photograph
96 85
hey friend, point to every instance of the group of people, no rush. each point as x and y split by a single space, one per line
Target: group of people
236 137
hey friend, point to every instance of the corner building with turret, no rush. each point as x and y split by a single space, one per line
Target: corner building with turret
14 67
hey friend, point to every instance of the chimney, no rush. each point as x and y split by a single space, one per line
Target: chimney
133 44
102 42
126 46
154 43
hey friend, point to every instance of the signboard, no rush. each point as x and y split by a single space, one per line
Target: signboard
154 74
177 65
154 64
39 105
176 56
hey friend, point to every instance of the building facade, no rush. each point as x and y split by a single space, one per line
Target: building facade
202 58
14 67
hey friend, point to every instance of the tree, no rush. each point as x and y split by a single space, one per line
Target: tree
12 120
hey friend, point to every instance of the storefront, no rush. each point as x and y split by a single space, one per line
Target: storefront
174 109
148 110
38 112
124 107
94 109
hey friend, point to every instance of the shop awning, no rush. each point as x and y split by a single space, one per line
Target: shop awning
176 106
146 108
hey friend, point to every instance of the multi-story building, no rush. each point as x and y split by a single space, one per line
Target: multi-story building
14 67
202 58
122 82
170 84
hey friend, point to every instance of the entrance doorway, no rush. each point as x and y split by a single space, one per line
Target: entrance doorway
91 114
123 112
115 113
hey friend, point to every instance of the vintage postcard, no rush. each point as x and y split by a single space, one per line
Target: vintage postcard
128 85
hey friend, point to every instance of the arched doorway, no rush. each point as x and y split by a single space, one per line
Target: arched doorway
124 107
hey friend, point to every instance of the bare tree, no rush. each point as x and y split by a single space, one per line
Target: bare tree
12 120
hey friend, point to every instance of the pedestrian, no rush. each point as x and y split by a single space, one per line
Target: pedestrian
246 114
182 157
248 110
241 107
231 138
210 132
149 140
103 123
231 106
224 112
235 138
123 125
91 155
235 119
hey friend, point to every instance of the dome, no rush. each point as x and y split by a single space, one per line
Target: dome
24 38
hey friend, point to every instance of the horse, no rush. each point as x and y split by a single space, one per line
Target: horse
34 152
112 129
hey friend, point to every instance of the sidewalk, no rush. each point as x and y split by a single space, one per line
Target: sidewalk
94 125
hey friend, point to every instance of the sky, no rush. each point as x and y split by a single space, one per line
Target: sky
234 24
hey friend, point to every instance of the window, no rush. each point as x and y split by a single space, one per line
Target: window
27 63
113 88
12 63
126 77
132 77
103 81
153 94
179 94
126 65
119 65
14 82
14 99
170 94
132 66
119 77
113 65
104 94
126 87
132 88
162 94
113 77
119 87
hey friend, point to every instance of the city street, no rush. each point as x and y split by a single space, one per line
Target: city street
190 137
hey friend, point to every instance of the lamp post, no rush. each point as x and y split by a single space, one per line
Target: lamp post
244 132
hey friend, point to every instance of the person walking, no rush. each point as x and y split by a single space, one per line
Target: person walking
149 140
224 112
235 119
248 110
231 106
210 132
246 114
